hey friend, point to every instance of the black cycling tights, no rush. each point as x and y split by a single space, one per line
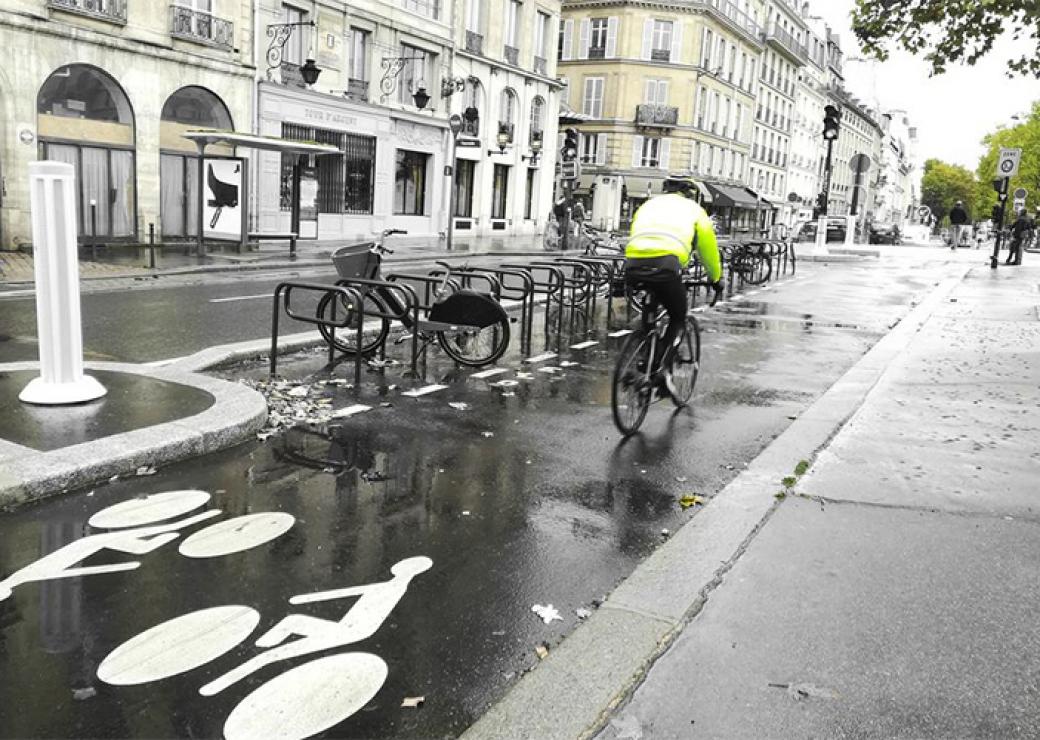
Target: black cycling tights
668 290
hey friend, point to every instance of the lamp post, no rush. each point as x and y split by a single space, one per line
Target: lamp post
455 124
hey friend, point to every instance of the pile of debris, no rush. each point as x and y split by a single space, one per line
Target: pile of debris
291 403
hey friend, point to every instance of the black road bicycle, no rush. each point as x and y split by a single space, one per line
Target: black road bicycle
471 327
637 367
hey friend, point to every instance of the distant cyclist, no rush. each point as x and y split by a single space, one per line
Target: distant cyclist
665 231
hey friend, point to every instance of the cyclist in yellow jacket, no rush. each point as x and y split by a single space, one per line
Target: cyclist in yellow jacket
665 231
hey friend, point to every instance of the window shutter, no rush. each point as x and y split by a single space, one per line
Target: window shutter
648 37
637 151
568 37
649 88
676 41
666 149
612 29
601 148
583 43
662 93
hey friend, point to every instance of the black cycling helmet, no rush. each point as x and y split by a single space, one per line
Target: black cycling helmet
682 184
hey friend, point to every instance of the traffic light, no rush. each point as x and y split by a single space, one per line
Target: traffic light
831 122
570 145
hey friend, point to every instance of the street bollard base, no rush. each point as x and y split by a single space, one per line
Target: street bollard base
42 393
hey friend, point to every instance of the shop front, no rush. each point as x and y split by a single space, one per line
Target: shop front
389 172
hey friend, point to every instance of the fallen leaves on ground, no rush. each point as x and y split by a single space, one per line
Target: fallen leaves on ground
691 499
542 651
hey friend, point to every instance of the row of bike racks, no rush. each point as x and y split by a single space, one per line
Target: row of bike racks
568 282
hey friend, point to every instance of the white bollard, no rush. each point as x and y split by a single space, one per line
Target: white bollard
52 199
850 231
821 234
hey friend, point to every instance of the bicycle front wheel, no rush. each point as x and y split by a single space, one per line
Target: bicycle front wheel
686 363
759 270
345 339
476 347
631 392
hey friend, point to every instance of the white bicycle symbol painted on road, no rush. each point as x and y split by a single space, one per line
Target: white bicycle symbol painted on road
299 703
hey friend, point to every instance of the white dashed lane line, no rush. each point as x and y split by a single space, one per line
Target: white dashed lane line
490 373
584 345
425 390
540 358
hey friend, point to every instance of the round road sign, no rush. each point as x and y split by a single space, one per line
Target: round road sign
1021 193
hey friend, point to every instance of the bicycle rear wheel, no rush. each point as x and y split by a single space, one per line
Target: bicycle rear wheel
631 391
759 269
476 347
346 339
686 363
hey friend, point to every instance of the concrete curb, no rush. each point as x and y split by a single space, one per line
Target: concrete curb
236 415
572 693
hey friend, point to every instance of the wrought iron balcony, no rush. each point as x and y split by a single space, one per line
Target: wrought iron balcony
657 116
728 11
661 55
540 65
357 89
783 40
201 28
512 55
113 11
474 42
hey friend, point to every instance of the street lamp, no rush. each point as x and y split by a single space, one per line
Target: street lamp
279 34
504 137
536 149
309 71
455 124
420 97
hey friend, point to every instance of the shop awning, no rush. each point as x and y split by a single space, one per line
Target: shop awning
254 141
730 196
762 202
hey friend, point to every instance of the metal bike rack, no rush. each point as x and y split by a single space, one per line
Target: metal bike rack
548 280
283 295
409 306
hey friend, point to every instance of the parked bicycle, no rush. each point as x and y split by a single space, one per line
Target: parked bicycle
638 365
601 243
751 262
471 327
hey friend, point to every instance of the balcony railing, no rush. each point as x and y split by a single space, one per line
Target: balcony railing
113 11
357 89
201 28
597 52
786 41
512 55
474 42
730 12
540 65
659 116
661 55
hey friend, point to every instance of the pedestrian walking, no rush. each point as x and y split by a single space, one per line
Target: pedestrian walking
958 223
1021 230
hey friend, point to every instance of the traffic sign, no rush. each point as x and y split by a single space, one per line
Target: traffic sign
1007 166
1021 193
1019 205
570 170
860 163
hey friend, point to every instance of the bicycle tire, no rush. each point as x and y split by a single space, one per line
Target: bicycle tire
687 362
759 269
630 395
463 346
345 339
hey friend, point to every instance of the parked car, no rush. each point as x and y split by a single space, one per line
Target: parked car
884 233
806 232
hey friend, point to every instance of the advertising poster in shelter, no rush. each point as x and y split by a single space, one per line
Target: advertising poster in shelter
222 198
308 200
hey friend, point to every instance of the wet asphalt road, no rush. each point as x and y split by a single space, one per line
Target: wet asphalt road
518 500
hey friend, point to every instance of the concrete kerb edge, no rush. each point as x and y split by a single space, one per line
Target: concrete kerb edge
237 413
693 563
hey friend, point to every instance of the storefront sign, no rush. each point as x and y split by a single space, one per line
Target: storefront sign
318 115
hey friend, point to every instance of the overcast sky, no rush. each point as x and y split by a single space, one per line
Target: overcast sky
952 112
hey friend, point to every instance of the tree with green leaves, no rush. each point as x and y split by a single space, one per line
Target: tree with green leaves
949 31
1024 136
944 184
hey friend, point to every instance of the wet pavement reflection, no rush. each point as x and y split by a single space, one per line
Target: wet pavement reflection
520 495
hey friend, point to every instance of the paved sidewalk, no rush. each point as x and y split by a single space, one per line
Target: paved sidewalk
890 591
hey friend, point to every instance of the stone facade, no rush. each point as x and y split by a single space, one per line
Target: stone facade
140 58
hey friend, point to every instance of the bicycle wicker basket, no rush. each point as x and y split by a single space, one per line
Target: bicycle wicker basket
356 261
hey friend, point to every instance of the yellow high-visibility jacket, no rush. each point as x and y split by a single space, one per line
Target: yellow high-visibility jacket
674 224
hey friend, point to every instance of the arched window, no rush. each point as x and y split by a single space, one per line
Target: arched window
85 105
507 113
186 109
197 107
537 118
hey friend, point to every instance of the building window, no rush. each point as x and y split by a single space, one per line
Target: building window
651 155
410 183
500 191
592 103
293 50
598 38
529 194
589 148
345 181
512 23
465 170
429 8
359 173
474 20
358 51
661 41
413 73
541 37
656 92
